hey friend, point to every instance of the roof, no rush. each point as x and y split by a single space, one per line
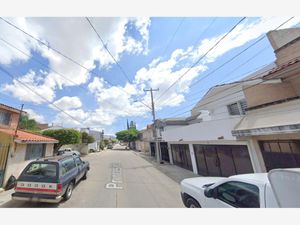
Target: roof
283 66
27 137
3 106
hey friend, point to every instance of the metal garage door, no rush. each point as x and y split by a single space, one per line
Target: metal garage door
181 156
281 153
4 149
222 160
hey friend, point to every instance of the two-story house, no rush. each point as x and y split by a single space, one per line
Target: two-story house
206 145
272 122
17 147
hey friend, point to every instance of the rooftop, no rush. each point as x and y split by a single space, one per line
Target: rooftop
25 136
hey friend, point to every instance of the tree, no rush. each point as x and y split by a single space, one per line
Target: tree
64 136
86 138
127 135
27 124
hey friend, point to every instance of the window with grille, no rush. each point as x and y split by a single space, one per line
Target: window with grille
35 151
237 108
4 118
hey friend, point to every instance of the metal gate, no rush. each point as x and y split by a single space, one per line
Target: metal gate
4 149
164 151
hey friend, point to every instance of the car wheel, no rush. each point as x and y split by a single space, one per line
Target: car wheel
84 176
69 191
192 203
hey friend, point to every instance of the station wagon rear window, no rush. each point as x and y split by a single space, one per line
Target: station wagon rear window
41 170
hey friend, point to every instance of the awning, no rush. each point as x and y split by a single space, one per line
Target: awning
277 119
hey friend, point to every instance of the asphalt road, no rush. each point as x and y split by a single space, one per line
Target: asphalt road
119 179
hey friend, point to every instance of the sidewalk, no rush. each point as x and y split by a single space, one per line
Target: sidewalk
5 196
174 172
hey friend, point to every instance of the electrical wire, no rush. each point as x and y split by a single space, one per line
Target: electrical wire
215 45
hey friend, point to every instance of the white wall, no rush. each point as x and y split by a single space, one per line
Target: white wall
203 131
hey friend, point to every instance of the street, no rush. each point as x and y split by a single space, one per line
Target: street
119 179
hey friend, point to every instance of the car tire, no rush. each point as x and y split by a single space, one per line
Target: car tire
84 176
69 191
192 203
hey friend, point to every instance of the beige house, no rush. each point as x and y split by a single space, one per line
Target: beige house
272 122
145 139
18 147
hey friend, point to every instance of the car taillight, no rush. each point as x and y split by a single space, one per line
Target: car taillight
59 188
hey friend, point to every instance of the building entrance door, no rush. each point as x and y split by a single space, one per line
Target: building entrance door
181 156
4 149
164 151
152 148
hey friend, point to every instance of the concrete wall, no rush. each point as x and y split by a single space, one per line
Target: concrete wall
143 146
288 53
16 160
13 120
82 148
266 93
203 131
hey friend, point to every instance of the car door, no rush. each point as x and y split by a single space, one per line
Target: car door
235 194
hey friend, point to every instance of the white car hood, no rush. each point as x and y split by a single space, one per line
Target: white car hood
286 185
198 182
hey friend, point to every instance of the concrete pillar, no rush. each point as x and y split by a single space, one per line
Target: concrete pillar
170 153
256 156
193 158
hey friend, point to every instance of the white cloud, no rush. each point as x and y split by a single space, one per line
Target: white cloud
35 83
33 115
67 102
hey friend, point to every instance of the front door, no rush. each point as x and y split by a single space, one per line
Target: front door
164 151
152 148
4 149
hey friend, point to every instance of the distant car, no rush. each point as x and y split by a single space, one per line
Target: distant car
68 151
277 188
109 146
50 179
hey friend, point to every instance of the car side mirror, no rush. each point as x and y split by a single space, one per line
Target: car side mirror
11 183
210 192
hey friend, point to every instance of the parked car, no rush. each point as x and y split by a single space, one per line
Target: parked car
50 179
109 146
278 188
68 151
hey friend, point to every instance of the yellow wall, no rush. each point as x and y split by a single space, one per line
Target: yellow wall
5 138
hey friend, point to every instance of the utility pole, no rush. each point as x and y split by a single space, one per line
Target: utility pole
154 124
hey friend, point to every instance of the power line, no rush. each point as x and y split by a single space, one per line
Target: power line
46 66
206 29
235 56
65 56
173 36
201 57
106 48
222 97
42 97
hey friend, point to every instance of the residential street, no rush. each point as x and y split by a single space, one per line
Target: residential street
136 183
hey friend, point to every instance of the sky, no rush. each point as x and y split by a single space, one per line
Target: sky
76 81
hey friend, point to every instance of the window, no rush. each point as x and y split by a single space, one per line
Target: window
41 170
4 118
78 161
239 194
68 165
35 151
237 108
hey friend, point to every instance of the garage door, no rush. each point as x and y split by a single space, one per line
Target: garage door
181 156
222 160
281 153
